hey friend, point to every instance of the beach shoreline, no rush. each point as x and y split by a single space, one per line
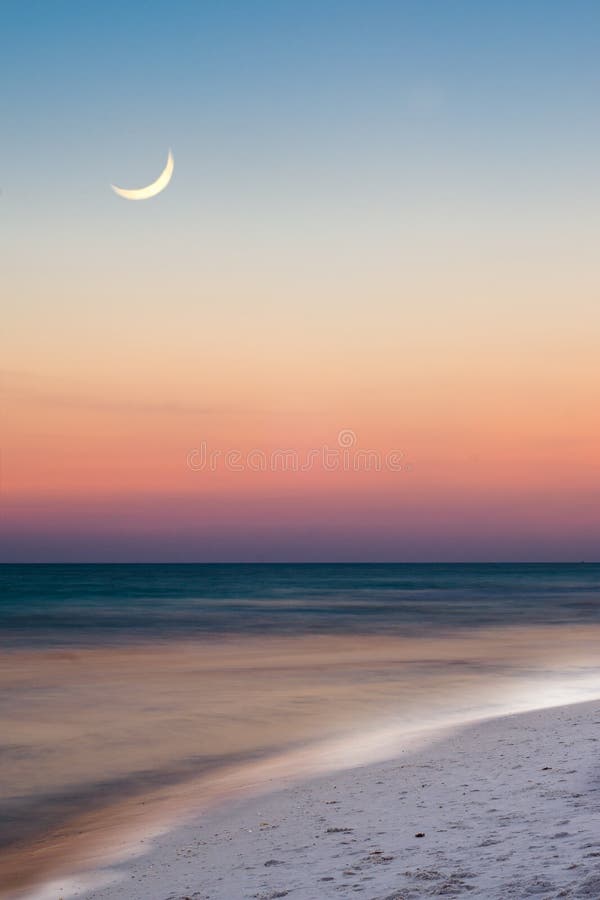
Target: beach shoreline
124 744
506 807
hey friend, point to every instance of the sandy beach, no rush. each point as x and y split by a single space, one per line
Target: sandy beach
507 807
125 743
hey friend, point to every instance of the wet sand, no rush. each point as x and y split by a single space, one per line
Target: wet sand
104 746
504 808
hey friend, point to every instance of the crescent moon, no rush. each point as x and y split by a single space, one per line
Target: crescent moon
151 190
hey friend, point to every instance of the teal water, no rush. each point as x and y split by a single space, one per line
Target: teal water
82 604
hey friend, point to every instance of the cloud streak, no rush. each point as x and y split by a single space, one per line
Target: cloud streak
30 388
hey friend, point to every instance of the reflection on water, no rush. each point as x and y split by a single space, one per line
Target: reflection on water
99 738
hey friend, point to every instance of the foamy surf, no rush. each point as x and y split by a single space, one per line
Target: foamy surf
382 742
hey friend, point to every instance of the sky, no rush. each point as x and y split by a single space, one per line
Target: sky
381 238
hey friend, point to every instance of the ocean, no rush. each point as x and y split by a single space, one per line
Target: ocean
83 605
133 695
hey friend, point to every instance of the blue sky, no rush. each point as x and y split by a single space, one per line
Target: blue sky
110 75
376 206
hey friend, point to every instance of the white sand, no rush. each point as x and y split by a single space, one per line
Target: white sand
508 807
